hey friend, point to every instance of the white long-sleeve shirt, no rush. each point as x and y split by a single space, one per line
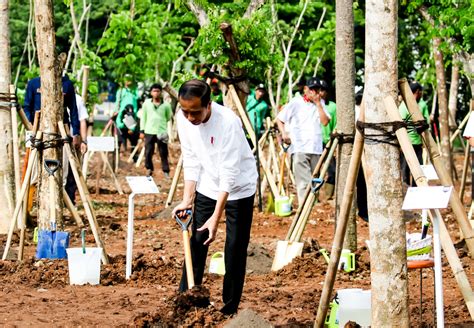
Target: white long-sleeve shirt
217 156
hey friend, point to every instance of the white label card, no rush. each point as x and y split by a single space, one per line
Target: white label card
469 130
427 197
28 135
100 143
142 185
429 172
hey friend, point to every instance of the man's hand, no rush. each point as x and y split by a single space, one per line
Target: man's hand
83 148
76 141
211 226
286 138
181 208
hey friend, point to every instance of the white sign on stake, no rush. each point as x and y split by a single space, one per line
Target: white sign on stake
427 197
142 185
100 143
28 135
429 172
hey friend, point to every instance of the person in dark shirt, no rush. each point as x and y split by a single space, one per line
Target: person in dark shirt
33 103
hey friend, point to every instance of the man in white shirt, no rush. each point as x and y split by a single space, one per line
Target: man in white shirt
219 173
300 125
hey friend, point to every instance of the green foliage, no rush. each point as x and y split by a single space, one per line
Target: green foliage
252 35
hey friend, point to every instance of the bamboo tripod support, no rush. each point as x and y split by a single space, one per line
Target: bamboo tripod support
465 170
24 187
249 128
443 174
174 183
135 150
421 180
300 225
308 190
341 227
83 191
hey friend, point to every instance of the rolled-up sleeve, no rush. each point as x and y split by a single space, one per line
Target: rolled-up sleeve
230 155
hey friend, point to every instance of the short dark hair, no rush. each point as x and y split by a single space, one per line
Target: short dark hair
195 89
415 86
156 86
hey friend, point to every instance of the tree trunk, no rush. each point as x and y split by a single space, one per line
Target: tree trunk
345 73
7 177
51 108
387 227
442 105
453 94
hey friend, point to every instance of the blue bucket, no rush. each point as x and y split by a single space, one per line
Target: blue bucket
52 244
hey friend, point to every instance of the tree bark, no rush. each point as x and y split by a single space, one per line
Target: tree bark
442 105
7 177
345 73
199 12
252 7
51 108
453 94
387 227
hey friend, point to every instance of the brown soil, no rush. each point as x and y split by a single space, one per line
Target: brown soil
37 292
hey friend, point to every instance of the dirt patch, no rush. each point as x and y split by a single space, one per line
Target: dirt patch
249 319
259 260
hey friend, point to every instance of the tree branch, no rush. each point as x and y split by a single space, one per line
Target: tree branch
199 12
180 58
252 7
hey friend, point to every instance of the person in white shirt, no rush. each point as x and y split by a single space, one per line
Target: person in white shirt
219 173
300 126
83 116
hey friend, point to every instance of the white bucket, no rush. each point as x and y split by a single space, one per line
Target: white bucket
354 305
84 268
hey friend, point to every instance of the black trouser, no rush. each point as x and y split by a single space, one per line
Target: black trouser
406 174
362 195
238 223
150 141
123 136
71 186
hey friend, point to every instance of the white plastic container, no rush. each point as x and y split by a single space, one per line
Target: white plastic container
84 268
354 305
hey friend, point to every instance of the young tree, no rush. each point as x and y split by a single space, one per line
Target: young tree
387 227
51 107
345 80
7 179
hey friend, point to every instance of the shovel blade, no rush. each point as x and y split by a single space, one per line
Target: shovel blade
52 244
285 252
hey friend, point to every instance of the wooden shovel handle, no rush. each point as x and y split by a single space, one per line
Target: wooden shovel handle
188 259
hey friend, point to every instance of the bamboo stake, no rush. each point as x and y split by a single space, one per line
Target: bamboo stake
112 173
70 206
135 150
342 220
465 169
249 128
140 158
299 229
460 127
421 180
16 153
84 193
174 183
24 187
308 190
456 204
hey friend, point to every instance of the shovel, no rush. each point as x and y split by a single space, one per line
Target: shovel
282 167
52 244
188 218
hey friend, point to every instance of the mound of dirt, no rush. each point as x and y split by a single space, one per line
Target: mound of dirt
249 319
258 259
189 309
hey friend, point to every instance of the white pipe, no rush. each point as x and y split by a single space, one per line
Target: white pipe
131 209
438 271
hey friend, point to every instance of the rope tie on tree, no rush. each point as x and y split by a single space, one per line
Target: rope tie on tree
8 100
55 141
342 137
386 132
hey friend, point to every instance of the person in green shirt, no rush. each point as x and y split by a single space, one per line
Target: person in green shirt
126 98
415 138
257 106
153 129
